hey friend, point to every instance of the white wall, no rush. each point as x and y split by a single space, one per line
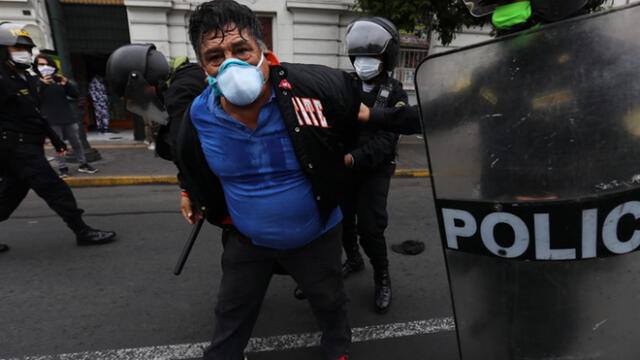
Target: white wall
467 36
309 31
32 13
622 2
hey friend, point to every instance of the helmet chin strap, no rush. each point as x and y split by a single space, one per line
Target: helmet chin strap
18 66
378 78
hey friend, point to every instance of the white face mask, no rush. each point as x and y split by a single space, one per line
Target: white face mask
367 67
46 70
21 58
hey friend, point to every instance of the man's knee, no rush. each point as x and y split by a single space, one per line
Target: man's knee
327 298
372 230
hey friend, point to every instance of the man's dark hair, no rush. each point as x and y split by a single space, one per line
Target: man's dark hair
213 16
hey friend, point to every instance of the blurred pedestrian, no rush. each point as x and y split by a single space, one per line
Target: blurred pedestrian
100 100
23 165
149 133
55 89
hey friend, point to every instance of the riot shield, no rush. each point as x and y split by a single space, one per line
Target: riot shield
534 148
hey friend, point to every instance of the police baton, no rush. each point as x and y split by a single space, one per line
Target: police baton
195 230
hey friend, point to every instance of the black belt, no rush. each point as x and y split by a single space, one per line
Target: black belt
12 138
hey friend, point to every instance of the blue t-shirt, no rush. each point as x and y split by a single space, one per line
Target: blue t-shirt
270 200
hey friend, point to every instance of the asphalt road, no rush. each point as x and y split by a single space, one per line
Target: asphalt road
56 298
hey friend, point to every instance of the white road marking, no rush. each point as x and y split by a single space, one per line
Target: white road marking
271 343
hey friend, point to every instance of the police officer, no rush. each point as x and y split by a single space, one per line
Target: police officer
373 45
155 89
23 165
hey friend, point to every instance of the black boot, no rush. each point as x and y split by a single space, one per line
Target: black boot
4 248
352 265
382 296
90 236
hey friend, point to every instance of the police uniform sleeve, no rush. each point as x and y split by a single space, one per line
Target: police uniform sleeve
398 96
185 87
4 89
402 120
380 149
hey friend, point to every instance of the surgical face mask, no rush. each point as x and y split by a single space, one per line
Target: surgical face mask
21 59
367 67
239 82
46 70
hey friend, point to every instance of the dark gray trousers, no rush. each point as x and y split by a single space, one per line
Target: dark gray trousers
365 215
246 273
70 132
24 167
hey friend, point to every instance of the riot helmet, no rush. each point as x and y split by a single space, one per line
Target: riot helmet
374 37
137 71
14 35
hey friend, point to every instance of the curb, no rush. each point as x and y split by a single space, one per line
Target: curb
86 181
98 181
412 173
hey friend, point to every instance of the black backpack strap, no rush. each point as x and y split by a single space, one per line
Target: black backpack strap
382 100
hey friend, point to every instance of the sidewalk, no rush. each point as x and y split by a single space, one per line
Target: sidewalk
128 162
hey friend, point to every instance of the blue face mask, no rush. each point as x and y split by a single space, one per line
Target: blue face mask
367 67
238 82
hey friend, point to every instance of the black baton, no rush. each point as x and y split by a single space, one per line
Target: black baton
195 230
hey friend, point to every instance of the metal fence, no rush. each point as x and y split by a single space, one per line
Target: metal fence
409 60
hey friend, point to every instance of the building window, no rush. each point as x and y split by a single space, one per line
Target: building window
405 72
267 31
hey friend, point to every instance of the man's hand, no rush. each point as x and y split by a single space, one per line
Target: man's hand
63 80
62 153
348 160
188 212
47 79
364 113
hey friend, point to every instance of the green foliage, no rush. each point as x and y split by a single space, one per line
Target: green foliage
445 17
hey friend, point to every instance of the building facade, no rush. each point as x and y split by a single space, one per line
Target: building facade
85 32
308 31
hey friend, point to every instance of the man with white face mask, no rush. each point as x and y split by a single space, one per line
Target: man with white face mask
23 130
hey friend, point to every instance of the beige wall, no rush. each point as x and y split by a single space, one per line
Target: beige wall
303 30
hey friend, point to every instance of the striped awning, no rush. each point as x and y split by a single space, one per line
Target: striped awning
94 2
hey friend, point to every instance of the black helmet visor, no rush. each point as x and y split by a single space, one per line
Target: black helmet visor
142 99
366 38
